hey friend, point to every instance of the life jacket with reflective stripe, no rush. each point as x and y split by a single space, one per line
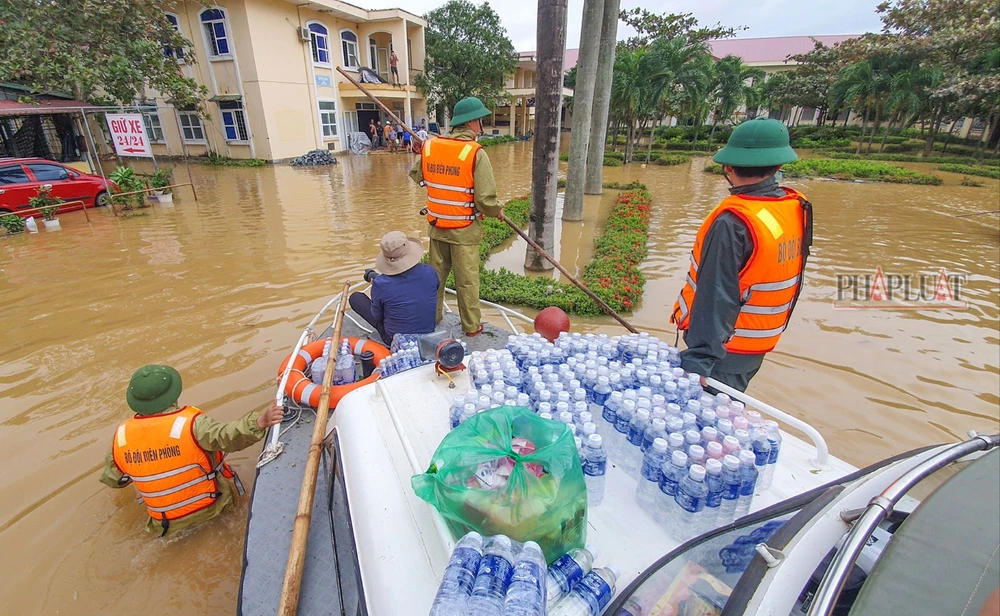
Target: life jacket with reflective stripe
174 476
449 175
781 228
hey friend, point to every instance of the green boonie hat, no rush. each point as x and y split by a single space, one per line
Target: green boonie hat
153 389
761 142
468 109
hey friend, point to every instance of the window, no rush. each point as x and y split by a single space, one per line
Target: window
328 118
191 128
372 54
48 173
349 46
808 114
319 41
351 121
153 128
216 37
234 121
13 175
174 51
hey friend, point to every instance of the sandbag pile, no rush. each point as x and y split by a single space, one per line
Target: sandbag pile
314 158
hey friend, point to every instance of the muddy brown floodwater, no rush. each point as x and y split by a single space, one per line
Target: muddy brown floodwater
220 288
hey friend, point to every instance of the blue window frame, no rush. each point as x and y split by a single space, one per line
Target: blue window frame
349 47
174 51
214 23
319 41
234 121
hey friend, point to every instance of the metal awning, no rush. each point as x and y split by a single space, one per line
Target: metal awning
43 107
225 98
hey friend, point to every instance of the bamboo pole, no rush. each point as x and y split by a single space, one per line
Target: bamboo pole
288 606
597 300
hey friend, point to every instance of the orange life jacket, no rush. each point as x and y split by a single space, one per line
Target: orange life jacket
449 168
174 476
770 282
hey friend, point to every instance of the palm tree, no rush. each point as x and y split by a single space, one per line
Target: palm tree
626 92
673 67
856 86
732 85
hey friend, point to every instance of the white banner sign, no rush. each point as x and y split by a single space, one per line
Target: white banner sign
129 134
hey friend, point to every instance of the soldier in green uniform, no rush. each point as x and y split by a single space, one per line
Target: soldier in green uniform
461 190
168 438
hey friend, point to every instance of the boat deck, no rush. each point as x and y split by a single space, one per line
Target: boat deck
274 501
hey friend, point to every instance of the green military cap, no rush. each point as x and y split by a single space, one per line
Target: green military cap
761 142
467 110
153 389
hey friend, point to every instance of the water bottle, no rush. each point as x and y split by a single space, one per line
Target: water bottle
650 474
455 413
761 448
600 394
748 482
709 435
459 576
526 593
623 418
713 500
673 472
566 571
675 442
319 364
523 401
774 437
633 606
492 579
595 469
343 371
706 419
690 499
731 481
657 429
632 458
591 595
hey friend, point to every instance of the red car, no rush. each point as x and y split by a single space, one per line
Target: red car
20 179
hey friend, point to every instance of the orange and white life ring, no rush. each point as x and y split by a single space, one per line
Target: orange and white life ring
301 388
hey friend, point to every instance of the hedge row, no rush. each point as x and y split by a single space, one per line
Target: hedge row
910 158
848 170
613 274
985 172
488 141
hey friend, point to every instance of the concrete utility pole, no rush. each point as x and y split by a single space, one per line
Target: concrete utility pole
583 101
551 46
602 99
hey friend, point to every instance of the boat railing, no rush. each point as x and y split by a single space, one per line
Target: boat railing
309 334
878 510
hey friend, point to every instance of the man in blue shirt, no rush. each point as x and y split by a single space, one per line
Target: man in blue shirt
403 299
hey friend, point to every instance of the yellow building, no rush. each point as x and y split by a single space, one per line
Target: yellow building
517 118
269 67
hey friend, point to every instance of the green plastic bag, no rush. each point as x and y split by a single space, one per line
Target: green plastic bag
550 509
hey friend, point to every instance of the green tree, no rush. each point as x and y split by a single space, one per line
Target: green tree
98 51
732 86
651 26
468 54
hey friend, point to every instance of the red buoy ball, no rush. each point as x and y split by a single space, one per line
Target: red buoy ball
551 322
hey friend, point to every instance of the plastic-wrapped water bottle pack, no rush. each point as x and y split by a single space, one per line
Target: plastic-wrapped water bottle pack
698 458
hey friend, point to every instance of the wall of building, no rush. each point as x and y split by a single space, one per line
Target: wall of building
274 74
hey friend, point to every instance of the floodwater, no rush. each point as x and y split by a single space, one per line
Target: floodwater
220 288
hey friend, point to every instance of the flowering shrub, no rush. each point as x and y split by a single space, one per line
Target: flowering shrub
613 274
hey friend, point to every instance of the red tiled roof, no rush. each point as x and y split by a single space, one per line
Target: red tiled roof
774 49
51 105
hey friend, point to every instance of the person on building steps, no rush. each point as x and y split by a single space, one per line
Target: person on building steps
461 191
393 61
174 456
747 261
404 297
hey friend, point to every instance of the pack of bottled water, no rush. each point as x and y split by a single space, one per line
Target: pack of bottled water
575 588
632 395
492 576
404 355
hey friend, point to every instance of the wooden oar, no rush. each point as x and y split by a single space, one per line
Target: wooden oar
977 213
597 300
289 603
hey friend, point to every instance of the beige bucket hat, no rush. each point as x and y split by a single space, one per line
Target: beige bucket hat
399 253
